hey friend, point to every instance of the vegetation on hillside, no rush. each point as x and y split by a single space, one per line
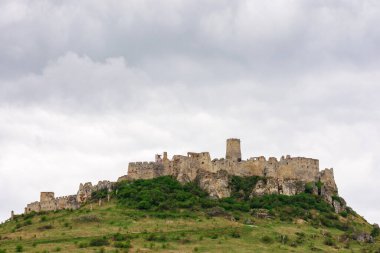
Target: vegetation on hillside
163 215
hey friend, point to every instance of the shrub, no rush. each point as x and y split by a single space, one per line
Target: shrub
27 222
3 251
242 186
153 237
19 248
100 194
309 187
87 218
235 234
375 231
119 237
267 239
43 218
161 193
329 241
46 227
122 245
82 245
99 242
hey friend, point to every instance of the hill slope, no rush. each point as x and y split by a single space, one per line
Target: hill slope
161 215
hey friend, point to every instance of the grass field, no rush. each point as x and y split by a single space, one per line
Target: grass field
113 228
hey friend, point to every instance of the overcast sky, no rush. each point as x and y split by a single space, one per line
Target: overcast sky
88 86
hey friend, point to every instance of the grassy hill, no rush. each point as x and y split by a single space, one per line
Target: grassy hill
161 215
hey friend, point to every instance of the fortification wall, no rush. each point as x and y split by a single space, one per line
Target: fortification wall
49 205
33 207
184 168
300 168
254 166
67 202
145 170
46 196
201 160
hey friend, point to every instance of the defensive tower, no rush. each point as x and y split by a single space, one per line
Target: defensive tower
233 151
46 196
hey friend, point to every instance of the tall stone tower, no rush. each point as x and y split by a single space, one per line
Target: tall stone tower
233 151
46 196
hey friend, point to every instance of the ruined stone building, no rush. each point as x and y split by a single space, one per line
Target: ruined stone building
288 176
49 203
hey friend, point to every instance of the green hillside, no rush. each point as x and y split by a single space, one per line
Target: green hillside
161 215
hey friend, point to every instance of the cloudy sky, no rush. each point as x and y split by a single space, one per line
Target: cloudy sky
87 87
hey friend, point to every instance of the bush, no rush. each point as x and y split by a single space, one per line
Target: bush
119 237
46 227
329 241
242 186
122 245
375 231
309 187
100 194
27 223
87 218
82 245
161 193
235 234
3 251
154 237
19 248
267 239
99 242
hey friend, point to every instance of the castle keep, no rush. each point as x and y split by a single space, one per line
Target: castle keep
288 175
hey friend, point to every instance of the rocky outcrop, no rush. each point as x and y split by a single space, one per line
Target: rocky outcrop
85 190
339 205
216 184
363 237
278 186
328 188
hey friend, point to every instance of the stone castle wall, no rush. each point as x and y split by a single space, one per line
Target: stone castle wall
288 176
185 167
49 203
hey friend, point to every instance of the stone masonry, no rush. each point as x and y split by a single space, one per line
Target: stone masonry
49 203
288 176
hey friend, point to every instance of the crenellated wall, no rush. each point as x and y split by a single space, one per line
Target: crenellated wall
288 175
145 170
49 203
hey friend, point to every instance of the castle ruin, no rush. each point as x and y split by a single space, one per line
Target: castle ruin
288 176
